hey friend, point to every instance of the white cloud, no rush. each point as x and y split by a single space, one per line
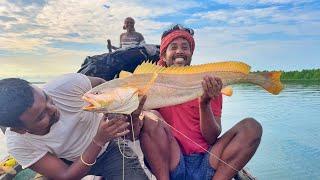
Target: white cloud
215 44
256 2
89 19
259 15
28 31
13 43
56 61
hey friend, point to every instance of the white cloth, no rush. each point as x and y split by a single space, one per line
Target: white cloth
70 136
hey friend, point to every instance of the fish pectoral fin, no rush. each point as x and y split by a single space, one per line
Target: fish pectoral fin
124 74
228 91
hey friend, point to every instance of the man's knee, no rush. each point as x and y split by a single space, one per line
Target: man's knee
150 126
251 127
157 131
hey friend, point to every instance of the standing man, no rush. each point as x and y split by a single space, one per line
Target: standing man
188 145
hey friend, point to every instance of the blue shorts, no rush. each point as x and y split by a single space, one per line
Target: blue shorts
193 167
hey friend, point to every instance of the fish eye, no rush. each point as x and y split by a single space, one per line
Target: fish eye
96 93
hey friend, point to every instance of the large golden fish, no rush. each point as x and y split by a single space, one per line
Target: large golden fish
172 85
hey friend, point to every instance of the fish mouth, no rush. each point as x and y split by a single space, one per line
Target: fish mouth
90 107
92 104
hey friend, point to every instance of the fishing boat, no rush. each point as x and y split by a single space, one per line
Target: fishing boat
108 66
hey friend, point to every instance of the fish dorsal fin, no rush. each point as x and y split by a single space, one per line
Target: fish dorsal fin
124 74
228 66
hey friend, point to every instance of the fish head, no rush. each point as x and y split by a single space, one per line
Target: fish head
123 100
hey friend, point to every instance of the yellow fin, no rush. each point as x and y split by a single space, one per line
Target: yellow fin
228 66
275 78
228 91
271 81
124 74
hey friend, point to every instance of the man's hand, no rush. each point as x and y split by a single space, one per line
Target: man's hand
114 127
137 117
211 89
136 121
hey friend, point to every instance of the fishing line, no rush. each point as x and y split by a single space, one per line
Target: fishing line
124 146
124 142
201 147
216 157
134 144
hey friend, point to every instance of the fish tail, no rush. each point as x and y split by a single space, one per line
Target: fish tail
270 81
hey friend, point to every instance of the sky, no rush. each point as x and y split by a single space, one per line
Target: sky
44 38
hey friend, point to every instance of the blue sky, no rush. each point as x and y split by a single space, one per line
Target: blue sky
46 38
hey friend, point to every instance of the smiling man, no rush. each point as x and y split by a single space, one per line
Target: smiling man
50 133
188 146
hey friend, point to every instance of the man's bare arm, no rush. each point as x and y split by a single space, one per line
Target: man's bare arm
54 168
210 125
121 40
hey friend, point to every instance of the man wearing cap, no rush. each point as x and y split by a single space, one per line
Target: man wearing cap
185 142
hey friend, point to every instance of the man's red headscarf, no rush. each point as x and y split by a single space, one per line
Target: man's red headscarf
165 41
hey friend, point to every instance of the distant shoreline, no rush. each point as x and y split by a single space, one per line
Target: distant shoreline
303 75
310 80
289 76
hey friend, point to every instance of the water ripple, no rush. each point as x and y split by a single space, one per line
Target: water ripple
290 146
